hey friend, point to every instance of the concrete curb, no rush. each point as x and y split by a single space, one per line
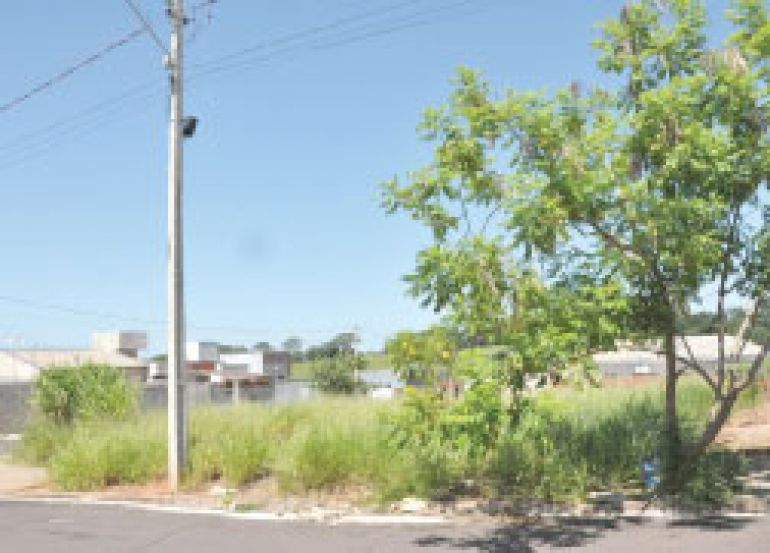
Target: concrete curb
334 518
257 516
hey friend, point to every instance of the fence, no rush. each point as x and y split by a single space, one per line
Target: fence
15 405
154 395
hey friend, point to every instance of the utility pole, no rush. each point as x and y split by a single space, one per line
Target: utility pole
177 426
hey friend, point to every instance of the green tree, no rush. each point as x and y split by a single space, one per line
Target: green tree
338 374
293 345
263 346
342 343
422 357
583 210
232 348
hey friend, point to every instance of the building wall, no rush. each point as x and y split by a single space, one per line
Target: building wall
154 396
248 362
14 406
202 351
128 343
276 364
13 369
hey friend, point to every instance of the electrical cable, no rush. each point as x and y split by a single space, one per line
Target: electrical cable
326 43
146 24
59 77
372 30
310 31
49 307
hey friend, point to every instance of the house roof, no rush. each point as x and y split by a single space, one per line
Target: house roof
42 358
705 348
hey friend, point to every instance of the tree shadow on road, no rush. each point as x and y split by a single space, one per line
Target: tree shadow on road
525 537
712 522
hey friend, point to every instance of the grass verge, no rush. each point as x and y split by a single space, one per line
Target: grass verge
568 443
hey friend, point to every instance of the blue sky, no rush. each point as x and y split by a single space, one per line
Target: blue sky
284 235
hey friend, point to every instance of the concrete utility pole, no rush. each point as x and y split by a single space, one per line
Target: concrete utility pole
177 427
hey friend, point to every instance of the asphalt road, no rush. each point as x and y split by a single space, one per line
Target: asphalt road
44 528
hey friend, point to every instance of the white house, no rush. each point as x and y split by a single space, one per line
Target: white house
250 362
630 360
205 357
117 349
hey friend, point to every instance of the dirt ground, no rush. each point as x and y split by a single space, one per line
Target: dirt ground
748 428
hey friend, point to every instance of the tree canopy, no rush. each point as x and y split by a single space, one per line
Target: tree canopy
563 220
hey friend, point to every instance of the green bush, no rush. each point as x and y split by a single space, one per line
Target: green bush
89 392
715 479
40 441
558 445
337 375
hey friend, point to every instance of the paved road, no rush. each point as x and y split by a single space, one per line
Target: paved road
43 528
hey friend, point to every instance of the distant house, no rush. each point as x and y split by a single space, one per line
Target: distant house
277 364
118 349
205 362
630 360
382 383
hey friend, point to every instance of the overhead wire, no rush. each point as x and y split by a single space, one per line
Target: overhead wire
62 75
296 40
360 34
97 314
72 135
146 24
312 38
309 31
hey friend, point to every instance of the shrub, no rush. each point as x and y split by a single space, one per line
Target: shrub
40 440
89 392
715 479
338 374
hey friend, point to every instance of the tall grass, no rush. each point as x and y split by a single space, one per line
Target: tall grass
566 443
318 444
96 455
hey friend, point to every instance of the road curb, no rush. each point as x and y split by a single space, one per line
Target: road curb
257 516
336 518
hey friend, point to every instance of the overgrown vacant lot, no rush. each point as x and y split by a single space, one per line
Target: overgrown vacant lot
566 444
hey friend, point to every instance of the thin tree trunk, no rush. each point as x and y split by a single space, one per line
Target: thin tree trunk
713 428
672 424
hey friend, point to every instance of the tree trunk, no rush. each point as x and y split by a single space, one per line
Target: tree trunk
672 424
712 429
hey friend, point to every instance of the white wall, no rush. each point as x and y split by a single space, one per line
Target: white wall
249 362
118 341
13 369
202 351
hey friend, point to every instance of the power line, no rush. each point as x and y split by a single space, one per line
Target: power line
146 24
414 20
58 308
310 31
72 134
296 41
21 140
70 70
84 113
73 311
